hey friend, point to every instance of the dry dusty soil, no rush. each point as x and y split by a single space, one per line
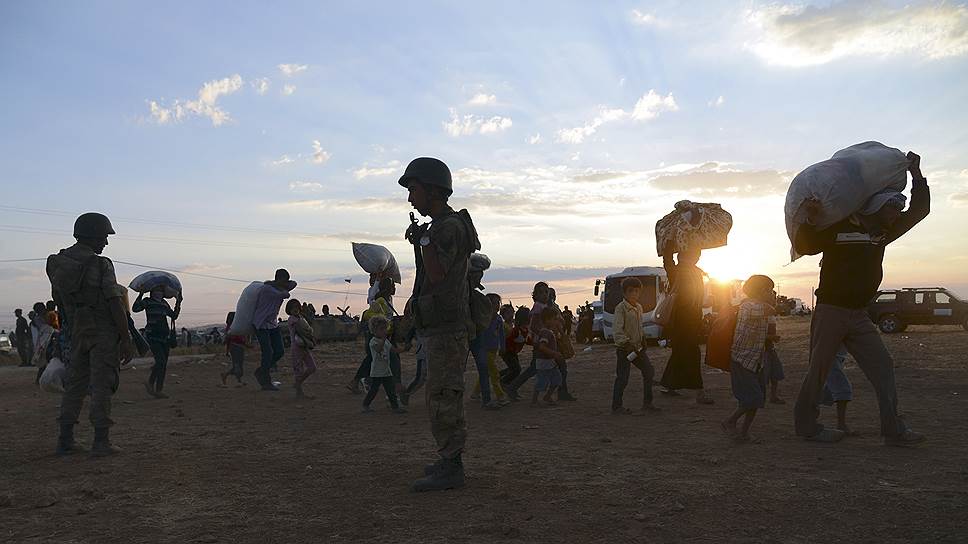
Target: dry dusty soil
228 464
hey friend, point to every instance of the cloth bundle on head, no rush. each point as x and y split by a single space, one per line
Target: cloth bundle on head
886 197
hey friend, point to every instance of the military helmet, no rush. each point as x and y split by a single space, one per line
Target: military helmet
428 171
92 225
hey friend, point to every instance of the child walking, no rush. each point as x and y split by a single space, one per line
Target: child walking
380 372
838 390
515 339
547 376
235 346
748 353
303 341
772 365
630 348
492 341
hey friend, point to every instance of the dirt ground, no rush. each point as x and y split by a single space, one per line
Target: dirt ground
228 464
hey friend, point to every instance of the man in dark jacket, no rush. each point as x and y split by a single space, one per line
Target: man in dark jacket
850 274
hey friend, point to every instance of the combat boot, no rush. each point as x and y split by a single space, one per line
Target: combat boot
65 442
450 475
102 444
433 467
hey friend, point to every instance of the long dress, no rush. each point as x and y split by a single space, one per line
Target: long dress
683 371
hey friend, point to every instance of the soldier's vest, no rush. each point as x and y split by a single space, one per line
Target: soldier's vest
445 306
77 289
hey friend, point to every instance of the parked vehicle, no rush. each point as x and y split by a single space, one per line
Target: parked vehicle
653 281
893 310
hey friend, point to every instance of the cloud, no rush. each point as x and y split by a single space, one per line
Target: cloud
206 105
287 89
718 179
203 268
367 172
534 140
594 177
369 237
319 155
652 104
305 186
959 200
261 85
463 125
482 99
644 19
290 70
646 108
793 35
716 103
285 159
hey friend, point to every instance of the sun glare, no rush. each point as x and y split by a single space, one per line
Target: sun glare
724 265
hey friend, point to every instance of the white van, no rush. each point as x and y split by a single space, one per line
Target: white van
654 286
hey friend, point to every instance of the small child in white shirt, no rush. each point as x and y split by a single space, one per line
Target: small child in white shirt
380 372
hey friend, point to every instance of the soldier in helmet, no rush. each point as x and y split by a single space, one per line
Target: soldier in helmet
86 290
441 312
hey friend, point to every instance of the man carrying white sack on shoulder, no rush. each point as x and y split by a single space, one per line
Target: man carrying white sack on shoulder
850 274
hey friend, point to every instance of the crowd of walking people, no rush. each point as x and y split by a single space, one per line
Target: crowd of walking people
449 320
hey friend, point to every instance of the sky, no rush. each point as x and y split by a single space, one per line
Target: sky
229 139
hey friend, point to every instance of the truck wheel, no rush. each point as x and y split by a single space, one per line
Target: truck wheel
889 324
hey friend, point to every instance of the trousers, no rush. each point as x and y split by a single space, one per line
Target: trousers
270 342
623 368
830 327
160 350
446 362
95 365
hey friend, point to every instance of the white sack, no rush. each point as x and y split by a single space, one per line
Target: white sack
377 259
149 280
843 184
245 310
52 380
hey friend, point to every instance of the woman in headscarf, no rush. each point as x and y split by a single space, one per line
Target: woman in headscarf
683 371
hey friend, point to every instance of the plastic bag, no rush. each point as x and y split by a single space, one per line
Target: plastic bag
843 184
377 259
52 380
693 225
153 278
245 310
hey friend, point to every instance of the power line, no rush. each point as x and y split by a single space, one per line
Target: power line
214 277
198 274
161 222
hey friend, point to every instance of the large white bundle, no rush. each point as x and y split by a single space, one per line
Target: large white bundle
843 184
377 259
52 380
245 309
153 278
693 225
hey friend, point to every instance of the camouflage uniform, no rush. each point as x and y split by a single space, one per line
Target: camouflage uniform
442 318
82 284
